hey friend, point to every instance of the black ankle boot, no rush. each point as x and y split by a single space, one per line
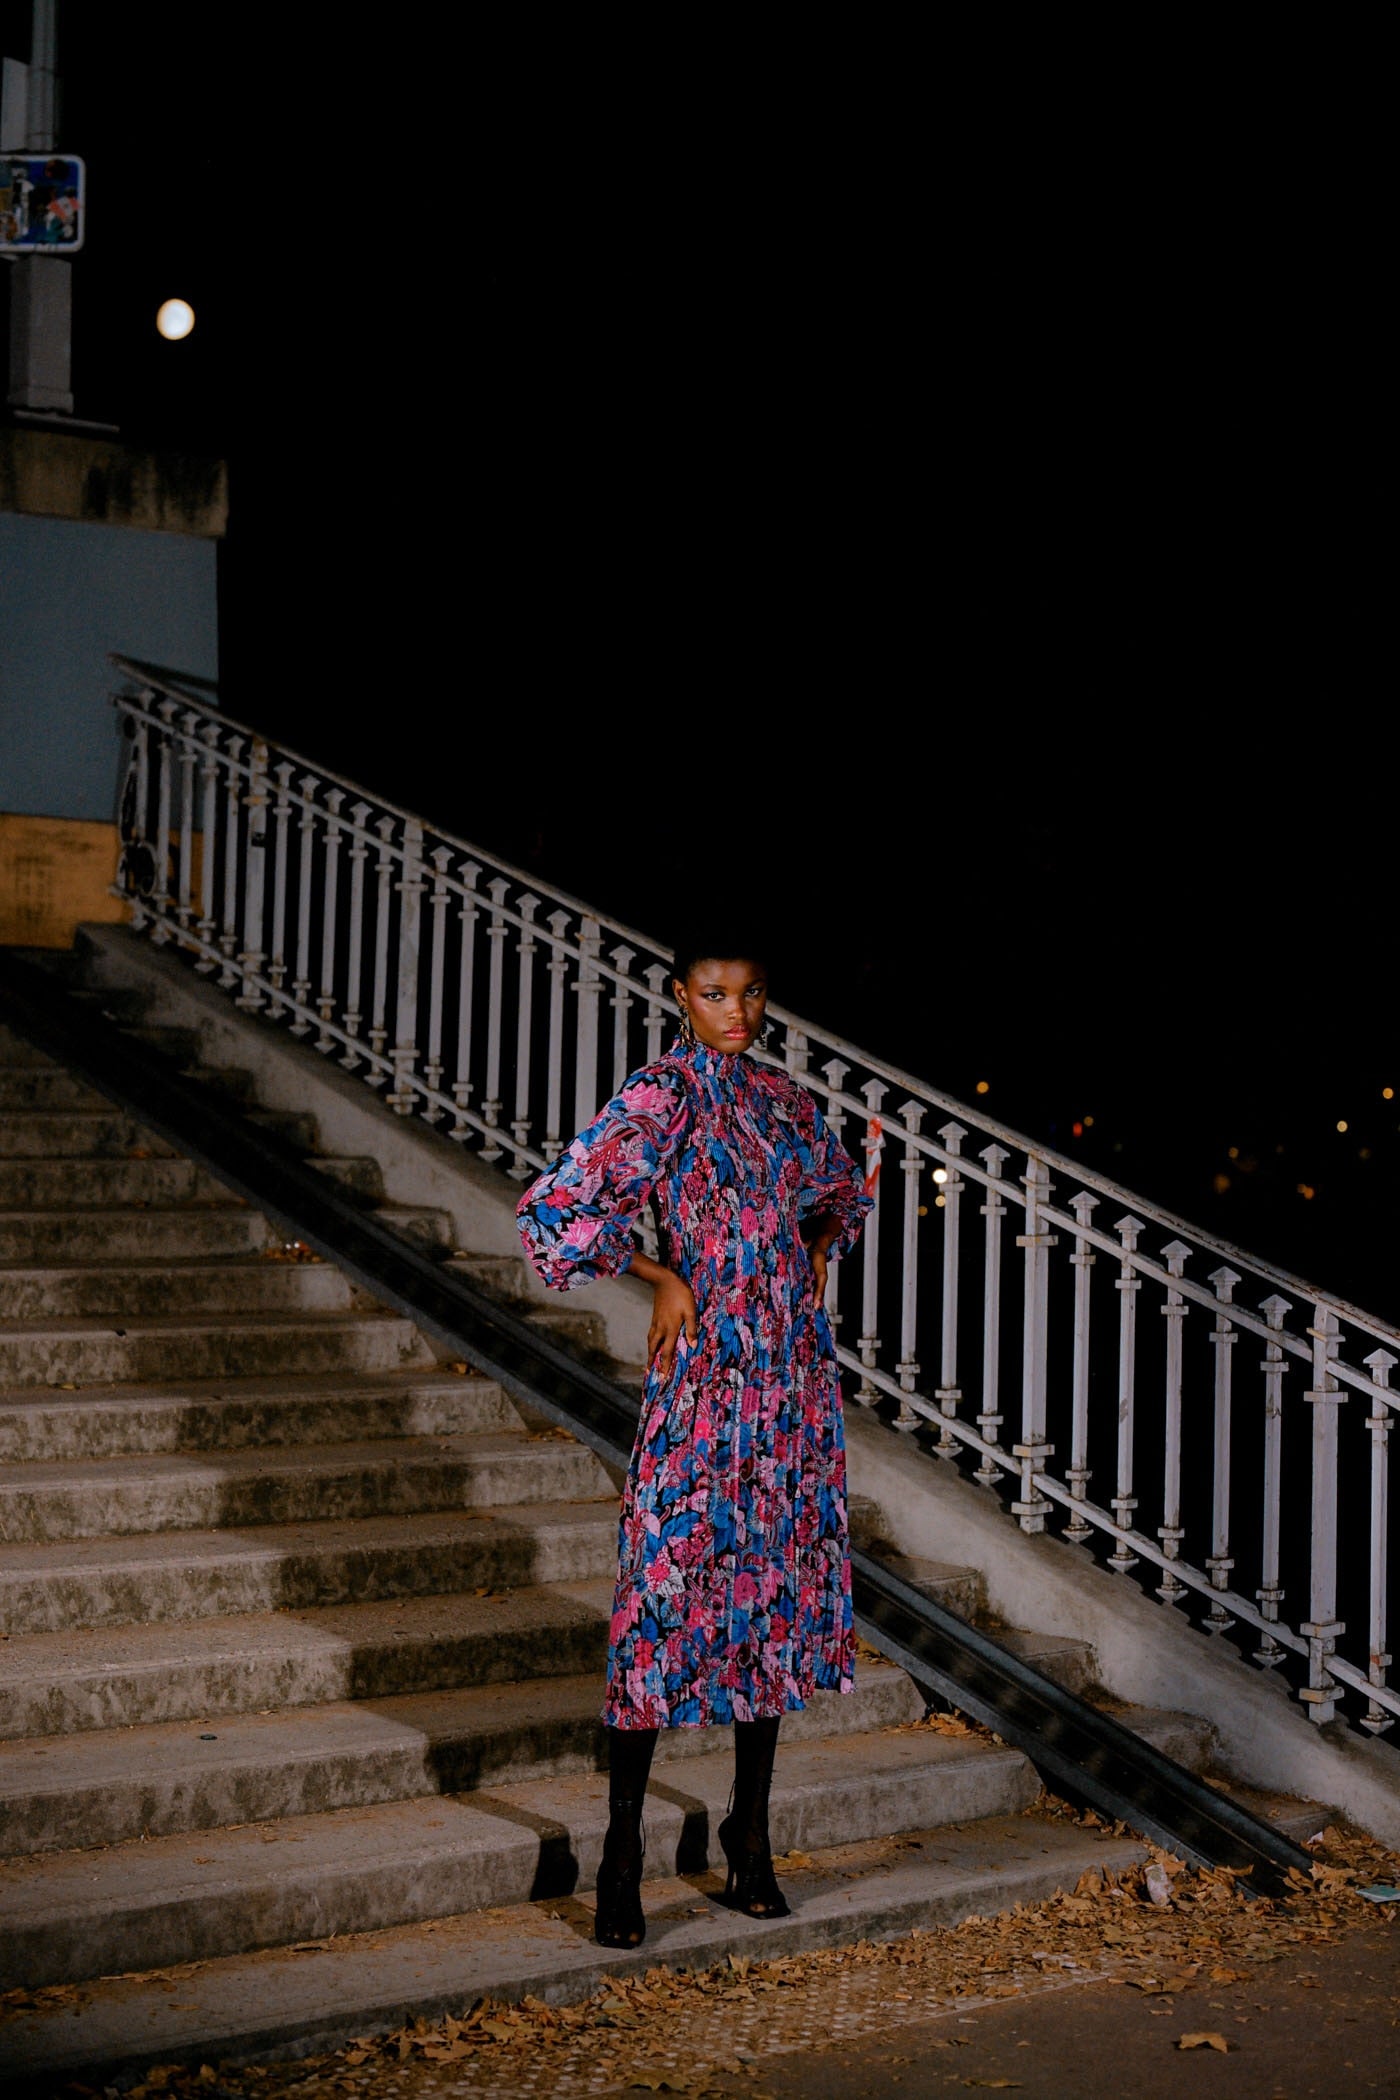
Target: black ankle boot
618 1920
751 1886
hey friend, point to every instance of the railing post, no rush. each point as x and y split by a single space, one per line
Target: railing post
656 975
989 1420
526 948
835 1118
1032 1451
209 851
1380 1363
495 1014
1127 1284
867 1393
1077 1471
306 860
907 1369
411 886
470 873
621 1003
1170 1531
359 854
587 987
948 1392
558 969
135 800
253 954
1325 1398
384 876
796 1051
325 998
164 759
437 978
282 816
1218 1561
1270 1595
228 938
185 906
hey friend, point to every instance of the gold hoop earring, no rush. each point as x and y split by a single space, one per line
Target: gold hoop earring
687 1028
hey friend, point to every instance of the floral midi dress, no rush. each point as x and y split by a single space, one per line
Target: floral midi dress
733 1597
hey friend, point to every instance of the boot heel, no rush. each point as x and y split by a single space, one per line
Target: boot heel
751 1886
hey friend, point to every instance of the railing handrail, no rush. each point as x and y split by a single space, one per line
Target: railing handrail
1147 1212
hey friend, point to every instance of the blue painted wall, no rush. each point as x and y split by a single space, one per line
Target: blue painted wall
69 593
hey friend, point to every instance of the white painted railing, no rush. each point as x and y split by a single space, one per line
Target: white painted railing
505 1012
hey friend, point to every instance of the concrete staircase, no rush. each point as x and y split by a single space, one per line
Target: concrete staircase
301 1640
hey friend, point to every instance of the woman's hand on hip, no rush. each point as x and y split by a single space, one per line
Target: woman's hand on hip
672 1309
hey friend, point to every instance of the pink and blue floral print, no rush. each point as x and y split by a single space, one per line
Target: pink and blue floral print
733 1596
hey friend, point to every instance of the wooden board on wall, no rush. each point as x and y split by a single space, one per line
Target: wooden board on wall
54 877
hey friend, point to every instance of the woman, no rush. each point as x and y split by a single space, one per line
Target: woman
733 1598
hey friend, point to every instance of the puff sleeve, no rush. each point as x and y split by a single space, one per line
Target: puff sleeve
576 1220
832 1184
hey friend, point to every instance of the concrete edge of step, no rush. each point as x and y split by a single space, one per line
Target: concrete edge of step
290 2003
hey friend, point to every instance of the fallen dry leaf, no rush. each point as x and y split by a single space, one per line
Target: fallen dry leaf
1204 2041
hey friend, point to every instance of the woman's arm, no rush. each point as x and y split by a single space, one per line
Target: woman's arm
672 1308
818 1234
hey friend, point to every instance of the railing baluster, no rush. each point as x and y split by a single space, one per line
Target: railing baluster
301 982
164 759
989 1420
835 1120
796 1051
526 948
1127 1284
621 1003
1218 1561
1170 1531
325 1001
1380 1363
359 854
252 954
907 1369
282 815
656 975
948 1392
228 938
384 882
209 847
184 910
558 966
437 977
470 873
1077 1471
1322 1626
1270 1595
587 987
495 1013
1032 1452
410 886
874 1091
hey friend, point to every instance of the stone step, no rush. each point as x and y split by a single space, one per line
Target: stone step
45 1087
232 1081
962 1590
268 2006
101 1677
73 1133
237 1413
45 1588
294 1126
107 1786
500 1275
62 1184
18 1054
136 1290
362 1177
194 1233
208 1892
173 1041
88 1498
93 1352
426 1228
1067 1661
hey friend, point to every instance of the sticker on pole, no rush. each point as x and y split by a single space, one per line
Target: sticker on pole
43 203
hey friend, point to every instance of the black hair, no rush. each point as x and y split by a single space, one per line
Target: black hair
720 940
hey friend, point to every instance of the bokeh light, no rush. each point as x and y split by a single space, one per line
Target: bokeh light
175 320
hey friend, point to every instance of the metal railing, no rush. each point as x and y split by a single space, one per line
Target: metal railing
505 1012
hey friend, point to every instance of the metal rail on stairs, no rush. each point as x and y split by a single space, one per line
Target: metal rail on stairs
1078 1749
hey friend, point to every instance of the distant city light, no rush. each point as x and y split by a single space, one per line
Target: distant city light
1342 1125
983 1087
1364 1153
1078 1129
1220 1184
940 1174
1387 1093
1088 1122
175 320
1306 1191
940 1202
1234 1152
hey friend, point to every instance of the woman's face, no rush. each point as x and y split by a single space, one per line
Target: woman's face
726 1002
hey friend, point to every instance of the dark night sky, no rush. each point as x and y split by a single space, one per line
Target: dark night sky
969 558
